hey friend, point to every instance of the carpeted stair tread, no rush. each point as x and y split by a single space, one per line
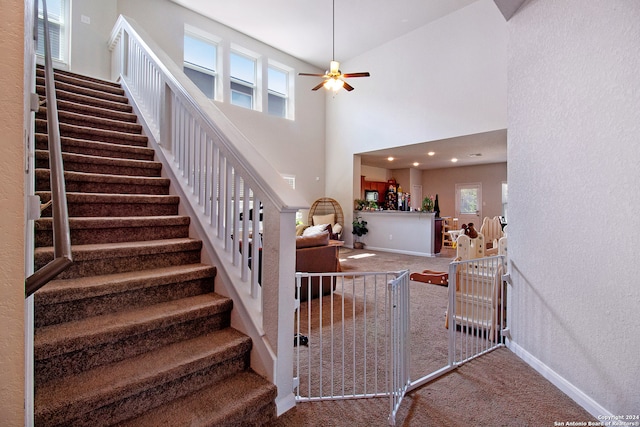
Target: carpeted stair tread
90 223
108 258
97 148
111 229
229 403
101 205
105 183
58 400
143 167
58 291
80 80
103 135
66 337
87 91
93 122
108 250
93 111
87 100
99 198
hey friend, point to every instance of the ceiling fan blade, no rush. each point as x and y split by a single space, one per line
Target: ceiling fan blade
319 86
311 74
347 75
347 87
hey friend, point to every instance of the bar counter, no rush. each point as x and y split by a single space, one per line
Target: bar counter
410 233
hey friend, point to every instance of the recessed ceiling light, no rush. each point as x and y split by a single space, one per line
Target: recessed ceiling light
416 164
390 158
431 153
454 160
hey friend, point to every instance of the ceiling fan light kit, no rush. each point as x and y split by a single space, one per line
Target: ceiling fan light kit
334 79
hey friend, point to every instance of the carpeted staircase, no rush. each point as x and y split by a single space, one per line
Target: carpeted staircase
133 332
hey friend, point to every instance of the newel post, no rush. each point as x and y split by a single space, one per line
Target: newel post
278 297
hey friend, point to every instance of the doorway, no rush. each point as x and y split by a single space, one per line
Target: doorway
469 204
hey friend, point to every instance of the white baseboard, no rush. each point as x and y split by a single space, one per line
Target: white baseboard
590 405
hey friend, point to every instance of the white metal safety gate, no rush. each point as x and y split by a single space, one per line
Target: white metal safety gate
476 311
353 340
352 336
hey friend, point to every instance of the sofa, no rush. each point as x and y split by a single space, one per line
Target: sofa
316 253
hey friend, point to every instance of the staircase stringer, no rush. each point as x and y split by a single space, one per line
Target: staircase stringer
221 177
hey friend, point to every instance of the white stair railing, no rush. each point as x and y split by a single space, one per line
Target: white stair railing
239 204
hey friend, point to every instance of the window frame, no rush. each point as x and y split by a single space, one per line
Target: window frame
249 86
64 24
196 34
271 92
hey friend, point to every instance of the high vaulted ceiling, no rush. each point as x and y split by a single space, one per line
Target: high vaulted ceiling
303 28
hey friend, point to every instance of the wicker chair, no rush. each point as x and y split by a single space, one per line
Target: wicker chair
327 206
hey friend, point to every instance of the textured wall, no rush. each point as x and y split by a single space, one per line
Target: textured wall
574 169
12 218
445 79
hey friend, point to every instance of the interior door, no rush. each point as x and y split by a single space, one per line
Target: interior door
469 204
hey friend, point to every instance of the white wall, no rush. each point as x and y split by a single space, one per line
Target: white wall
443 80
292 147
89 53
443 183
574 169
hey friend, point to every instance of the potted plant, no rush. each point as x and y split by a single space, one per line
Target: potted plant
427 204
359 230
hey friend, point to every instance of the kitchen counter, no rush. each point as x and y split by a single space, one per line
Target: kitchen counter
410 233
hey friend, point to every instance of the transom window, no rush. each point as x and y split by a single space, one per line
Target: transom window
200 57
278 89
58 11
243 80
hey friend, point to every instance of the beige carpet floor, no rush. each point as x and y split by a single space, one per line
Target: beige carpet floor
497 389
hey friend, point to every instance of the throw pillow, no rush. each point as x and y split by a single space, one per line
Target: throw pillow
337 228
324 219
315 229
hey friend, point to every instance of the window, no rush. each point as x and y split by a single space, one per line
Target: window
58 11
243 80
277 88
200 63
290 179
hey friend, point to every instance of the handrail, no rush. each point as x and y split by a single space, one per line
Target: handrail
62 258
220 177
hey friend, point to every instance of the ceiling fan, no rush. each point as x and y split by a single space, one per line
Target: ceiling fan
334 78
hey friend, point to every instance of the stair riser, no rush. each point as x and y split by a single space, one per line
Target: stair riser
87 100
85 236
92 122
44 184
89 148
123 263
131 406
91 355
117 209
49 314
102 135
96 112
114 168
88 82
99 93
